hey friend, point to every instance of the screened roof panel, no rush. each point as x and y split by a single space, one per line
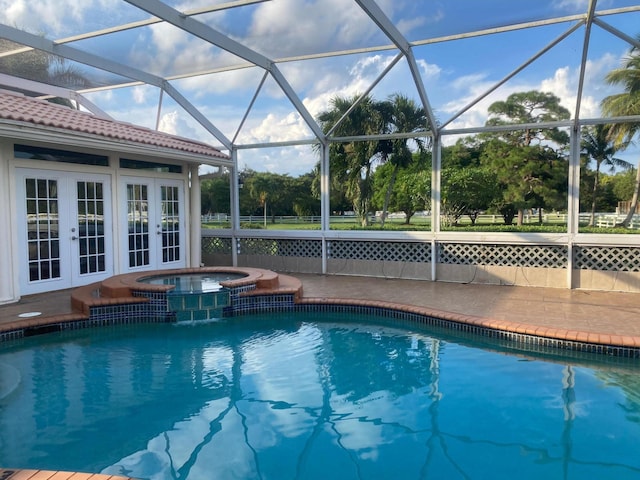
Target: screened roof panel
429 19
60 19
319 26
160 49
58 71
271 108
224 98
138 104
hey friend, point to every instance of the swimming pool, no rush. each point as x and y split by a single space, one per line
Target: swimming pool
306 396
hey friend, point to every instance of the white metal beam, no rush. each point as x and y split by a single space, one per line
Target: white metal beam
583 61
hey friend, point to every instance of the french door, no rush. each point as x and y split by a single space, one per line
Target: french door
65 234
153 229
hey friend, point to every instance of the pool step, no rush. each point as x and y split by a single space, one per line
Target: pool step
189 306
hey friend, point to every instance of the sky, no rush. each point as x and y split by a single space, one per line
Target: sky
455 73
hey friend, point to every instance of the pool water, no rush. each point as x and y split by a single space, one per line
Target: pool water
194 282
311 396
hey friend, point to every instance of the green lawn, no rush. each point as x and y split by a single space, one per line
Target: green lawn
552 225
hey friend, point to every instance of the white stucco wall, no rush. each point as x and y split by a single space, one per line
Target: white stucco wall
8 279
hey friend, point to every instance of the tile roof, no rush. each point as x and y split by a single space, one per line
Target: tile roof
20 108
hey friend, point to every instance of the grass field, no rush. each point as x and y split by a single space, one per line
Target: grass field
485 223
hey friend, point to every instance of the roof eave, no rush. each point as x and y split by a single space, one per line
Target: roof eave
45 134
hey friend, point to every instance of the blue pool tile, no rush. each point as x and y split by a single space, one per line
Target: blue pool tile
192 301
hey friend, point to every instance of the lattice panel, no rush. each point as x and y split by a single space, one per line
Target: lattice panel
281 247
380 251
212 245
616 259
300 248
257 246
547 256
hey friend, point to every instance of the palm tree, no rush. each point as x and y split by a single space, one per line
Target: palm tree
597 146
625 104
354 160
404 117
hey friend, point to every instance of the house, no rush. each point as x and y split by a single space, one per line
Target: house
84 197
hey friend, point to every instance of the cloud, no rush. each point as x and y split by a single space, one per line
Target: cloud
573 5
31 15
242 81
140 94
59 18
429 70
318 25
564 84
347 83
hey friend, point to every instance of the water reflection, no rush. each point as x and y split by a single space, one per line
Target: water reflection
292 397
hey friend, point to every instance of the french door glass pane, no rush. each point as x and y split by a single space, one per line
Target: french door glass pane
90 227
42 228
138 221
170 224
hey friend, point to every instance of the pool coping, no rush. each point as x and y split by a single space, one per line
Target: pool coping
489 323
30 474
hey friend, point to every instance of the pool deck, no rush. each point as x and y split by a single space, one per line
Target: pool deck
12 474
610 318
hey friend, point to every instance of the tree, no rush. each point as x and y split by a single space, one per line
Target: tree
528 176
337 195
529 108
527 162
624 183
467 191
303 201
466 152
405 117
597 146
411 190
216 193
353 161
625 104
270 191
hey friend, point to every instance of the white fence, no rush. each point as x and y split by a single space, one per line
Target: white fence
609 220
